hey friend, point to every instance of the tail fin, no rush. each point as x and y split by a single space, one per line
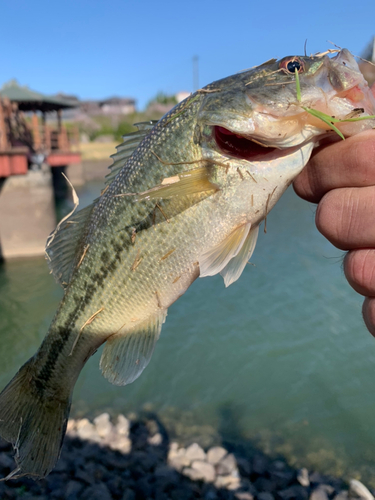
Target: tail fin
34 422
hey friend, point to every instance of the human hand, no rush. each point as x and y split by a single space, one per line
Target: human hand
340 177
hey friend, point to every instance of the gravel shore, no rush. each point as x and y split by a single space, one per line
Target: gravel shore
135 460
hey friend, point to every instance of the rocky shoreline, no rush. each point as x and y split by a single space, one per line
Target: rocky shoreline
135 460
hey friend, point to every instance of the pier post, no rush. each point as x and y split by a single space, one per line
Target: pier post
27 214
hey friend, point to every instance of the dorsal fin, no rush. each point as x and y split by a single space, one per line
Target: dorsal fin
127 147
63 244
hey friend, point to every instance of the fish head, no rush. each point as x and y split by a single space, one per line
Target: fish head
265 108
260 120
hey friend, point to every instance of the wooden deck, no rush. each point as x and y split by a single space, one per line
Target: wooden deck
21 138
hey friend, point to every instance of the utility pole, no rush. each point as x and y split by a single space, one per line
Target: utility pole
195 74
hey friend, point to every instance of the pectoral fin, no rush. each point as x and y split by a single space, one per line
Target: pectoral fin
186 183
216 259
127 354
233 270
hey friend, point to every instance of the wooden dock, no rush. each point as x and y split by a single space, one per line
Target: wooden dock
30 148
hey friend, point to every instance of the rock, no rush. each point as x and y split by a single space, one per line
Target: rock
244 495
103 425
160 495
206 470
281 478
128 495
71 428
155 440
73 489
278 465
123 425
115 483
195 452
319 494
328 488
229 482
61 466
264 484
120 443
215 454
165 477
227 465
244 466
5 445
265 495
192 474
86 430
179 462
210 494
96 492
152 427
144 488
295 492
316 477
55 481
83 476
342 495
260 464
357 489
6 462
173 447
303 477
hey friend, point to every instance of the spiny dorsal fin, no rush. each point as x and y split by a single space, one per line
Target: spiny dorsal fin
127 354
61 250
233 270
127 147
215 260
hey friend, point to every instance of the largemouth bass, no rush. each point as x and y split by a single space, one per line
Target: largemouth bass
184 199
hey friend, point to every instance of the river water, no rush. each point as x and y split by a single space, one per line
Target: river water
282 355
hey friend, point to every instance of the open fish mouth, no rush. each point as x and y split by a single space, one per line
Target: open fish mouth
245 148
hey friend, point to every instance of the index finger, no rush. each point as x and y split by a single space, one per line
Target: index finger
349 163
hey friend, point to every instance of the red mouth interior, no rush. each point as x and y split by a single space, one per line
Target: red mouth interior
238 146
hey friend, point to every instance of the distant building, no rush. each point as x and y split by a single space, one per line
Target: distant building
118 106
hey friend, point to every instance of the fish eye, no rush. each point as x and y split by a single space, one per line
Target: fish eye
291 65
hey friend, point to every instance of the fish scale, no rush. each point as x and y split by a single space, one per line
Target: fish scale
184 199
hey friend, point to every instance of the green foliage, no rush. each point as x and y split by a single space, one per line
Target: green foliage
162 98
106 125
123 128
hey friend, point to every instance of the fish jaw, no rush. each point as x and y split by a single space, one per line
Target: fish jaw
272 114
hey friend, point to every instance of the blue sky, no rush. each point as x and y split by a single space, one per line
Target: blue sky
96 49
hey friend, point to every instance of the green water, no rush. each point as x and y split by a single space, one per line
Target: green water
283 351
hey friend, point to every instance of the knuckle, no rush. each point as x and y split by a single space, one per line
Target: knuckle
368 311
335 216
359 268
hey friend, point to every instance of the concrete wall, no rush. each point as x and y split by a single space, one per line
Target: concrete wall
27 214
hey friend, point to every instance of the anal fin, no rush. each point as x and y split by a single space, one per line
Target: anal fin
127 354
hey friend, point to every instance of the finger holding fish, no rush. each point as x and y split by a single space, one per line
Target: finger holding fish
341 164
341 178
